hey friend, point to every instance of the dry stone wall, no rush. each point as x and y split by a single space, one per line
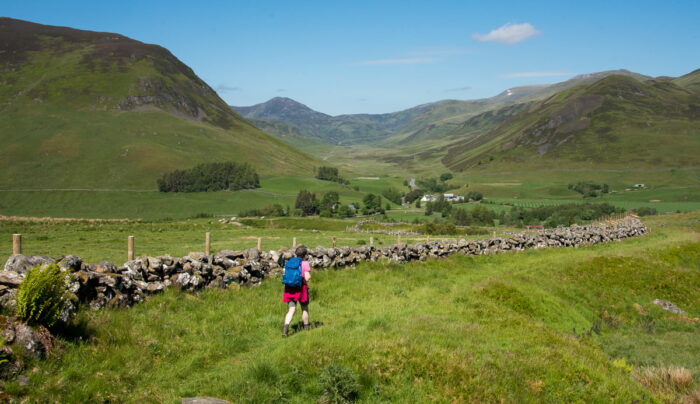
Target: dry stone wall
107 285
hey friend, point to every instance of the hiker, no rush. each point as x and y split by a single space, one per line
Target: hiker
297 274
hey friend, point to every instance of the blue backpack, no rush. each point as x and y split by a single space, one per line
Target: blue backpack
292 273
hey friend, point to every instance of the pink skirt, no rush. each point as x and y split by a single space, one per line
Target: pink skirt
296 294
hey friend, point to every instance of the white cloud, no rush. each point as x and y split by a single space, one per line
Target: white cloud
401 61
520 75
509 34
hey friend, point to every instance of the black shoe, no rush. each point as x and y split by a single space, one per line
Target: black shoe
307 327
285 331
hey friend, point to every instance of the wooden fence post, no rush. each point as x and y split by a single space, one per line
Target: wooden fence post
334 242
371 241
16 244
130 248
398 239
294 242
260 243
207 243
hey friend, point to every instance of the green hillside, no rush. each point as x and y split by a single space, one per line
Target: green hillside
82 109
616 122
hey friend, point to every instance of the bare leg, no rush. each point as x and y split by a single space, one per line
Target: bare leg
290 314
305 314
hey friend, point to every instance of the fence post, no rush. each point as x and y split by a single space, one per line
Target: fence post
334 242
130 248
260 243
207 243
16 244
371 241
398 239
294 242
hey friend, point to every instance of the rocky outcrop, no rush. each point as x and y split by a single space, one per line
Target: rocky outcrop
108 285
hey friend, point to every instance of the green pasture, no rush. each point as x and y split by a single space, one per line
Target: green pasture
96 241
553 325
154 205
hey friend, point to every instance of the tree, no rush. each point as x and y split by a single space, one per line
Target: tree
461 217
330 201
413 195
475 196
393 194
306 202
372 204
445 177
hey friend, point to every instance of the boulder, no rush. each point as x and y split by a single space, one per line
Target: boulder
71 263
21 263
31 341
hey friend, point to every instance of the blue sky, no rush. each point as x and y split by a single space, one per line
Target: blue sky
382 56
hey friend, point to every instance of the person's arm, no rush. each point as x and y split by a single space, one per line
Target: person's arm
307 270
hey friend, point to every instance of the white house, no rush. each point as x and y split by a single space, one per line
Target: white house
428 198
453 197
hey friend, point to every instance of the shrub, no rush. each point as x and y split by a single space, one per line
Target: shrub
393 195
339 385
645 211
41 296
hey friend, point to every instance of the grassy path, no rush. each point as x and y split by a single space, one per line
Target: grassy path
559 325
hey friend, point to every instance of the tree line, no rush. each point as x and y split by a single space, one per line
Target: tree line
210 177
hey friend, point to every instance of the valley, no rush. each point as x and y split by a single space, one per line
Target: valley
107 141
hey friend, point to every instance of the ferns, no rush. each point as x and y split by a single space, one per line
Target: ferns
40 298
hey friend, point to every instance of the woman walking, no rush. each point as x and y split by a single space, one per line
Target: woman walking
297 274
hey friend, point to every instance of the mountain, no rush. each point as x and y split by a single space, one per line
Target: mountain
426 122
616 122
690 81
99 110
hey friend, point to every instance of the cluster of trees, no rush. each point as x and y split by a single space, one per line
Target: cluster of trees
479 216
330 174
589 189
559 215
393 194
329 205
210 177
549 216
441 205
413 195
372 205
474 196
437 185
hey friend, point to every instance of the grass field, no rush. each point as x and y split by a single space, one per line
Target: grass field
153 205
559 325
104 240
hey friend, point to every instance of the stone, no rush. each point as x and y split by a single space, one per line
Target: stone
71 263
155 287
203 400
10 278
30 341
21 263
9 299
668 306
105 267
8 330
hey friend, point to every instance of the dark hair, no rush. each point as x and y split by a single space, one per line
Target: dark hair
300 251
